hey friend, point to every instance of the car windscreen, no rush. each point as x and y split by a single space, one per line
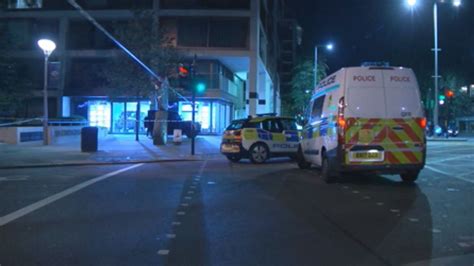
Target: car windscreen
236 125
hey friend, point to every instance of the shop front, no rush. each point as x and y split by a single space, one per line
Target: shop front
213 115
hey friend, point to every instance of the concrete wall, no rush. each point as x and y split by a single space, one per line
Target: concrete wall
23 135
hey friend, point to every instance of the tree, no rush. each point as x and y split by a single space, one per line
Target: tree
14 89
142 36
296 101
461 104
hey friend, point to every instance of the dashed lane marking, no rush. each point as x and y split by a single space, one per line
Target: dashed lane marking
176 223
44 202
163 252
211 183
395 210
413 220
184 204
181 213
436 231
171 236
380 203
367 197
188 198
355 191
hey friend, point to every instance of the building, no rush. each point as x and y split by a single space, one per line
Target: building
236 42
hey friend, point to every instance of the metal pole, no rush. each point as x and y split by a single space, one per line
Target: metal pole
315 67
193 100
45 103
436 74
193 121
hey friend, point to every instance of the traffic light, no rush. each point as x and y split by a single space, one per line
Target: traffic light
441 99
200 87
183 71
448 93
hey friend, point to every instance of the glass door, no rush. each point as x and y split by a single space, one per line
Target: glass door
118 117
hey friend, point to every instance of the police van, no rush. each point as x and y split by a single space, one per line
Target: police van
259 138
367 119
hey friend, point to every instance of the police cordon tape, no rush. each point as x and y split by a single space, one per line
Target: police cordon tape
61 122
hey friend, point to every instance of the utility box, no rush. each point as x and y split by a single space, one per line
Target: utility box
89 139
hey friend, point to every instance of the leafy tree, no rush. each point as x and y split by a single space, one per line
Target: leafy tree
461 104
296 101
142 36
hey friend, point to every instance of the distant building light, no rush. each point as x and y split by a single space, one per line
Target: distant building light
464 89
457 3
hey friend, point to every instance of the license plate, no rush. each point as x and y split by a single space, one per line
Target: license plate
367 156
230 148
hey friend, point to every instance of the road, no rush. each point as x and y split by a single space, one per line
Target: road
217 213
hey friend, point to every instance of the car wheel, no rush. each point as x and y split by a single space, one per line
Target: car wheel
410 176
234 158
259 153
326 174
302 163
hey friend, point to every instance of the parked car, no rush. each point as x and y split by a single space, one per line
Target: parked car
176 122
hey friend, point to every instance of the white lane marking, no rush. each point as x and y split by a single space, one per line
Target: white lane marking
184 204
355 191
163 252
181 213
367 197
449 159
188 198
44 202
176 223
413 220
453 189
460 177
191 192
380 203
345 187
436 231
464 245
170 235
211 183
395 210
192 187
466 174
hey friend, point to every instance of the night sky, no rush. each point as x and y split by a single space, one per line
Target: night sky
387 30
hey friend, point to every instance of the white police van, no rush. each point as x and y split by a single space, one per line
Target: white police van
365 119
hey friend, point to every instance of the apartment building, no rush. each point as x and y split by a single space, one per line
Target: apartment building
235 41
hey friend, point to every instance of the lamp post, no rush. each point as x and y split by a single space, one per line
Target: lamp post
48 47
436 50
328 47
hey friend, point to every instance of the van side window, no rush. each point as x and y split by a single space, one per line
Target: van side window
317 108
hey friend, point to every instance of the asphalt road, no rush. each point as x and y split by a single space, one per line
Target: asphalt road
217 213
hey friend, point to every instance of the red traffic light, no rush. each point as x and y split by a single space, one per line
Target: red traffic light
448 93
183 71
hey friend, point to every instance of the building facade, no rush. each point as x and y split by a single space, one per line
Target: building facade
236 43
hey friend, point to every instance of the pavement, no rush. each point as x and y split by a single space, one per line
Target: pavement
213 212
112 149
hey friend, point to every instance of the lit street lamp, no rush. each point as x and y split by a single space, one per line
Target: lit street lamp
48 47
328 47
436 50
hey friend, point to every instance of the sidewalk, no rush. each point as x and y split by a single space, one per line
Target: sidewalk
113 149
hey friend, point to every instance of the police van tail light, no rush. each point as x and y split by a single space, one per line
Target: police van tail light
341 122
422 122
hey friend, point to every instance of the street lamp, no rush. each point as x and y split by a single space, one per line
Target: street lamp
328 47
48 47
436 50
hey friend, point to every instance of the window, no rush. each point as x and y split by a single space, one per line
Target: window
317 108
205 4
192 32
234 30
25 4
204 32
288 124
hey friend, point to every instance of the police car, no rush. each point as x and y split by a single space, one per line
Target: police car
259 138
365 119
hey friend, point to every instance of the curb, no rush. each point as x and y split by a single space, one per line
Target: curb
448 140
97 163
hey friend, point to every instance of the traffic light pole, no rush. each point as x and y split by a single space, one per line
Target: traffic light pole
193 137
193 101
